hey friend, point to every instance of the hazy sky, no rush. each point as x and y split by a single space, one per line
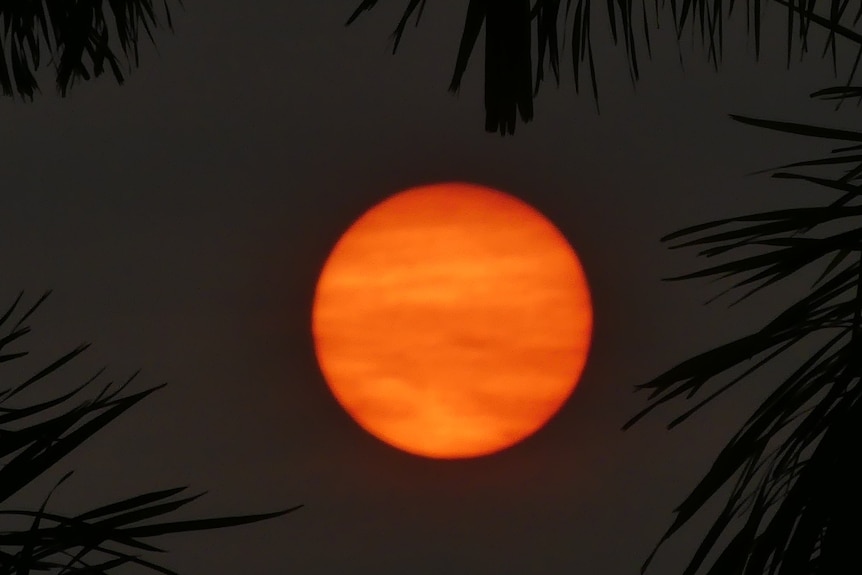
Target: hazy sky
182 219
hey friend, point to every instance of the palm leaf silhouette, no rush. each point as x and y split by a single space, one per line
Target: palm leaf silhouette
80 39
566 26
34 437
793 467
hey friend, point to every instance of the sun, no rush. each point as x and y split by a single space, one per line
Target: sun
452 320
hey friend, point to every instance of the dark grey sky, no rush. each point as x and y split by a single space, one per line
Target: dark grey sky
183 217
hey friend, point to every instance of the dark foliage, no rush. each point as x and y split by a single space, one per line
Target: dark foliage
794 466
562 26
36 435
78 39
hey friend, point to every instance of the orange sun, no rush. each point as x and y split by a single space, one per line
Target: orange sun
452 320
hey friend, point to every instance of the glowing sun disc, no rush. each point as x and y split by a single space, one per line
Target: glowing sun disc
452 320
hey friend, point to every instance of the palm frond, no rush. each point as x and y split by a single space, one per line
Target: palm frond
35 436
508 63
793 467
78 39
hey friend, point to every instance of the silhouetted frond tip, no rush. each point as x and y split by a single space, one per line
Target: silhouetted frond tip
36 436
79 39
793 468
510 86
